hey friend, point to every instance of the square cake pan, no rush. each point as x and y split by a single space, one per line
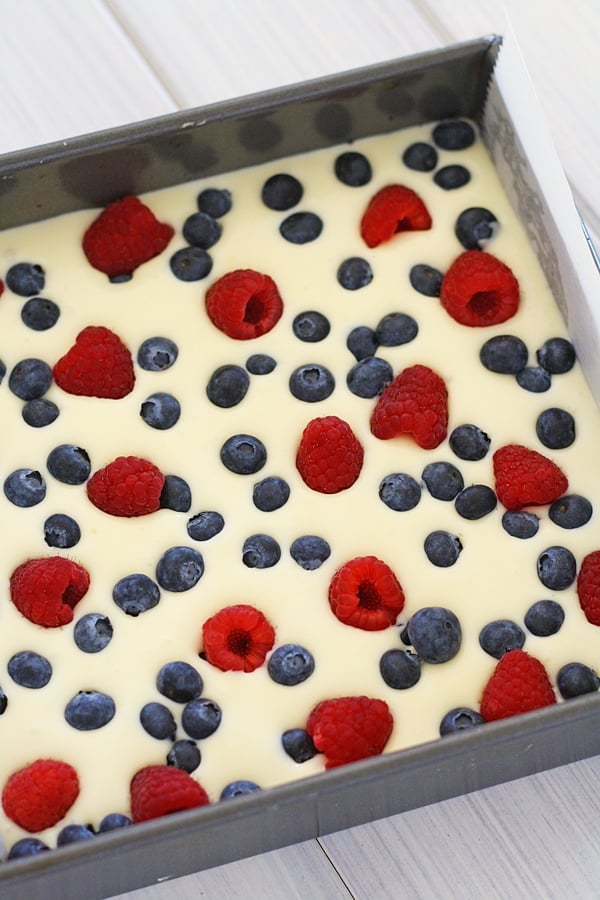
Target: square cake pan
484 80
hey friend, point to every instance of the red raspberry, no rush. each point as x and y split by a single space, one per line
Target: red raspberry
41 794
160 790
346 729
588 587
128 486
416 403
478 289
125 235
97 365
392 209
244 304
526 478
237 638
518 684
366 594
329 456
47 590
1 287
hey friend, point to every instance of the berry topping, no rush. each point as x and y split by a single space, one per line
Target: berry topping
443 480
479 290
97 365
354 273
25 488
500 636
366 594
505 354
290 664
395 329
244 304
205 525
40 314
393 209
426 280
281 192
184 754
347 729
352 168
93 632
556 568
453 134
176 494
545 617
475 227
179 681
112 821
26 847
400 669
128 486
298 744
238 789
399 491
191 264
435 633
158 721
362 342
588 587
179 569
160 411
40 412
301 228
201 230
570 511
41 794
524 477
270 494
451 177
135 594
469 442
260 551
369 376
311 326
29 669
310 551
69 464
26 279
72 834
160 790
415 403
575 679
47 590
216 202
260 364
89 710
555 428
420 156
518 684
475 501
243 454
61 531
237 638
442 548
460 719
520 524
329 456
30 379
534 379
200 718
311 383
556 356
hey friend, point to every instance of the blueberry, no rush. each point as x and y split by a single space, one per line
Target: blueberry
570 511
215 202
121 278
61 531
73 834
290 664
27 846
26 279
500 636
301 228
205 525
227 386
311 383
505 354
93 632
442 548
179 569
135 594
112 821
369 376
270 493
238 788
243 454
420 157
469 442
157 720
184 755
451 177
176 494
40 314
534 379
555 428
29 669
260 364
179 682
3 702
453 134
281 192
399 491
362 342
157 354
475 227
354 273
460 719
556 356
201 718
353 169
426 280
25 487
201 230
400 669
311 326
395 329
435 634
260 551
69 464
89 710
520 524
160 411
298 745
30 379
2 370
545 617
191 264
575 679
443 480
475 501
556 568
310 551
40 412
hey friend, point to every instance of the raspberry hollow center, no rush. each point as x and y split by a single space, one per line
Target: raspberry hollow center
239 642
484 303
254 311
368 596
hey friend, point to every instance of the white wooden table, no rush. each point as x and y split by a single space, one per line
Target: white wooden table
72 66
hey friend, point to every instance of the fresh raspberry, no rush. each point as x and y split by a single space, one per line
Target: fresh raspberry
128 486
157 791
125 235
346 729
329 456
526 478
244 304
237 638
1 287
47 590
366 594
39 795
518 684
97 365
416 403
588 587
478 289
392 209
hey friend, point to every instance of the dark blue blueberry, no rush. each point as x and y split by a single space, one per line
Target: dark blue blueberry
40 314
136 594
158 721
215 202
505 354
281 192
475 227
310 551
353 169
311 326
73 834
311 383
40 412
442 548
555 428
556 356
205 525
290 664
399 491
460 719
201 718
556 568
576 679
500 636
395 329
426 280
354 273
201 230
570 511
157 354
238 788
260 551
25 487
26 279
453 134
112 821
368 377
61 531
520 524
298 745
301 227
270 493
545 617
400 669
30 379
243 454
2 370
3 702
475 501
451 177
420 157
28 846
176 494
179 681
93 632
29 669
443 480
435 634
361 342
160 411
89 710
534 379
469 442
260 364
227 386
179 569
69 464
184 754
121 278
191 264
